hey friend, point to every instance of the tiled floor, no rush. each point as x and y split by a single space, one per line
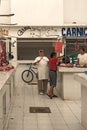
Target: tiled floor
65 115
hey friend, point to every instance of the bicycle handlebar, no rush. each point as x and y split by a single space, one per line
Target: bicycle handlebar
30 64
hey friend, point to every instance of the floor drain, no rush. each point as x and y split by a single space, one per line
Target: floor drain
11 118
39 110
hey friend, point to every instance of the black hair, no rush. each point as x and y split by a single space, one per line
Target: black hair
82 49
66 59
53 54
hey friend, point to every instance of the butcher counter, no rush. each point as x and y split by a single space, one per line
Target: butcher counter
82 79
7 93
67 87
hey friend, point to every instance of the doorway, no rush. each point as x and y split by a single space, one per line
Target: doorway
27 48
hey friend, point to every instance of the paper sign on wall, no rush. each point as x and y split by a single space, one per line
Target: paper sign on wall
58 47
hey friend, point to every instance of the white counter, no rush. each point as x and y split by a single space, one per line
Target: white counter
82 79
7 88
67 86
4 76
71 69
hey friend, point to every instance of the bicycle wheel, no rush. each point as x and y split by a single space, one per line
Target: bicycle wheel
27 76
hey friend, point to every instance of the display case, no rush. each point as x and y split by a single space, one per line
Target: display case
73 45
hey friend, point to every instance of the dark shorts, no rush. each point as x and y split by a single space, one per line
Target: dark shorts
53 78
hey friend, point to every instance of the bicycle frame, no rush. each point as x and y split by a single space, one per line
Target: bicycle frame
31 68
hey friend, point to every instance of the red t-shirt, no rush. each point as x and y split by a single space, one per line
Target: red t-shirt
53 63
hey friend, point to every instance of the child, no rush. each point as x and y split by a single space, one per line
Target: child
52 73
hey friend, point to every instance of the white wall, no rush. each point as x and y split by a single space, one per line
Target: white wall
5 8
75 11
37 12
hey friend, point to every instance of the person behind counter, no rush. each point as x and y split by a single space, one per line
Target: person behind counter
65 62
82 58
65 59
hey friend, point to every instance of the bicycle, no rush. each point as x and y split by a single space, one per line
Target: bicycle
28 75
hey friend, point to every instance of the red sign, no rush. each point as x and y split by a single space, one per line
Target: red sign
58 47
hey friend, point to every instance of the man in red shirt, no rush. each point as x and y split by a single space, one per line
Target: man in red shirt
53 61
